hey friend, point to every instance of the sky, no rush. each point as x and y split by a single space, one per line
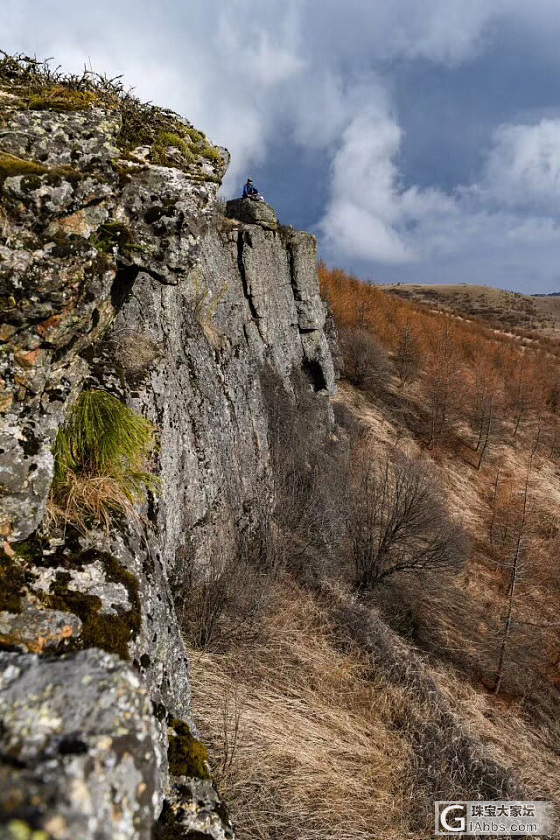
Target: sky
419 140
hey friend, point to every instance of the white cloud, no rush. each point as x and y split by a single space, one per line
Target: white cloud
319 72
523 168
370 216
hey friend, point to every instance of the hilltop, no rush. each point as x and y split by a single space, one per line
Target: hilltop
534 316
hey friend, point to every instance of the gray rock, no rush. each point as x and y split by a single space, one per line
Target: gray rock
253 212
136 284
80 756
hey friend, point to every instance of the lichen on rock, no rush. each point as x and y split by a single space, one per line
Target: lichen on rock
119 274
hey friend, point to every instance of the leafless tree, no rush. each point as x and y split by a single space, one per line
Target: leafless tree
443 384
407 357
400 522
366 363
516 571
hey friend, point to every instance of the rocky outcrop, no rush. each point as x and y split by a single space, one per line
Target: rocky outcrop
253 212
118 271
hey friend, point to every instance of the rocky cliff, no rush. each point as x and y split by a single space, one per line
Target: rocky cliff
121 272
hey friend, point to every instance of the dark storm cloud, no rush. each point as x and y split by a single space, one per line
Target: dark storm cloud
419 138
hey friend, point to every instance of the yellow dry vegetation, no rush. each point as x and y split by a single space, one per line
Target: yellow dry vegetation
316 755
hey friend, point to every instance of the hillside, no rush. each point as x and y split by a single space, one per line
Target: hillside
484 412
534 316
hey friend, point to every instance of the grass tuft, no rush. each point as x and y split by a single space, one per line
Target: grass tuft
100 457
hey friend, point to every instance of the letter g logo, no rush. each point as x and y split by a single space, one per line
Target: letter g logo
459 822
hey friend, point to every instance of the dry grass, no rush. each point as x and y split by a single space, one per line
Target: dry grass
300 733
83 499
134 351
506 732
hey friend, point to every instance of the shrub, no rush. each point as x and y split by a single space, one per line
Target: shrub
400 522
100 456
219 606
366 363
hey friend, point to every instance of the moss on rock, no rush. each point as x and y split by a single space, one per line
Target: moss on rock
12 166
113 631
187 755
61 98
12 583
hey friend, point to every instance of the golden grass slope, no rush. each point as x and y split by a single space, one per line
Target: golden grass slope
499 307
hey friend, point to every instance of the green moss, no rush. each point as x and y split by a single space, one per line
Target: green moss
29 550
55 175
61 98
196 136
194 147
33 172
12 166
30 182
112 632
187 756
66 245
12 583
211 154
112 236
126 173
169 139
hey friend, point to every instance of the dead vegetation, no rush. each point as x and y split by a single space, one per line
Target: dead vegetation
321 721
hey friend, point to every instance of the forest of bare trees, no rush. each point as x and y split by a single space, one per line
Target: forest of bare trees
485 411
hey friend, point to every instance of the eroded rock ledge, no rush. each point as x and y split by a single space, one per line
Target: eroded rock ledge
118 271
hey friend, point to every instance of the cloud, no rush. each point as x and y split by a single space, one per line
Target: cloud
316 80
523 168
370 216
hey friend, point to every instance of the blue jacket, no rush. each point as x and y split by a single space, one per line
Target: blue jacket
249 190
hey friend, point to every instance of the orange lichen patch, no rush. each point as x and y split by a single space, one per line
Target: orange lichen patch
51 324
29 358
49 641
6 401
81 223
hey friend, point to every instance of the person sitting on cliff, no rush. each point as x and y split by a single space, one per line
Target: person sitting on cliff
249 191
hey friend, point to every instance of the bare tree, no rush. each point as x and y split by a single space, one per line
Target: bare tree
407 357
516 572
366 363
400 522
443 385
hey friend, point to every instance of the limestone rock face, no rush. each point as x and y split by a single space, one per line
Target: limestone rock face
123 275
253 212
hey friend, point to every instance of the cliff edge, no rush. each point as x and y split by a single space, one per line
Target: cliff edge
121 275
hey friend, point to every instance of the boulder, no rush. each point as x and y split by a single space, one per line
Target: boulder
252 212
80 749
